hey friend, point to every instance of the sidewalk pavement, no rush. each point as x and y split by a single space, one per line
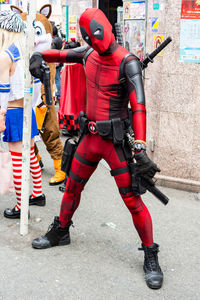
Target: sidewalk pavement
102 262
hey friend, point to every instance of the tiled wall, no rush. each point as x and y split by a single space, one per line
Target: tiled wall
173 102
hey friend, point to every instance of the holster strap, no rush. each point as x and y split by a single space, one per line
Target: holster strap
125 190
85 161
119 171
77 178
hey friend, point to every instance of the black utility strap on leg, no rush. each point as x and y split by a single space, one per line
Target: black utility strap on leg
85 161
125 190
119 171
77 178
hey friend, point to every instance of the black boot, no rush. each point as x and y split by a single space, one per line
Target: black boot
55 236
39 201
13 214
153 272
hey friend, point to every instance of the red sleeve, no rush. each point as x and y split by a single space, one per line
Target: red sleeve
139 117
133 73
62 56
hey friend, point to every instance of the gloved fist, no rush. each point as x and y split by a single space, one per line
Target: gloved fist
57 43
145 167
35 64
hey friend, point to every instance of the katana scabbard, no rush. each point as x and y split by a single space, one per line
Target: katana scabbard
149 57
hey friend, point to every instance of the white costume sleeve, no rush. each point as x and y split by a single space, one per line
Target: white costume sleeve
37 100
4 95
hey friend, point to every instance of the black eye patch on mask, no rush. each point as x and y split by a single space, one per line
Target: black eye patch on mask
97 30
85 36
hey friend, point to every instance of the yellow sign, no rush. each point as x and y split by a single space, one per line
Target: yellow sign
73 27
154 23
158 39
73 19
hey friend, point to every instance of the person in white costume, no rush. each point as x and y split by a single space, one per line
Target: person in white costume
12 99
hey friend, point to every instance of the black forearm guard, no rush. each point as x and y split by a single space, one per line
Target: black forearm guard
35 65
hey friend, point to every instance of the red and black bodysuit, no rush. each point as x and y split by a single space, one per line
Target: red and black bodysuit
107 99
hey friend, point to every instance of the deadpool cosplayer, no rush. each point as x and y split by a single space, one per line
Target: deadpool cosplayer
113 78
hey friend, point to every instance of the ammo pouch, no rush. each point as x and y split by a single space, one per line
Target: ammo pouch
118 131
104 129
111 130
83 123
68 154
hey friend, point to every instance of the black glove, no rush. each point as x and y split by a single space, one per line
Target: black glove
35 64
145 167
57 43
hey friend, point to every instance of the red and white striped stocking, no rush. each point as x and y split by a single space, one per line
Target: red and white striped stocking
36 174
17 176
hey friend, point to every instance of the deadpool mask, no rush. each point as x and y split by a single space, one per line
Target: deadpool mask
96 30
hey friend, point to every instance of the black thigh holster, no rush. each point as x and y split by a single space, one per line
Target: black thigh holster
68 154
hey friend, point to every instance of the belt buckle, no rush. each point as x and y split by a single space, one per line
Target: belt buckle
92 127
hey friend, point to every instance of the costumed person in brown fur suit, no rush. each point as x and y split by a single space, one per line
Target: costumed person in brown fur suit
49 131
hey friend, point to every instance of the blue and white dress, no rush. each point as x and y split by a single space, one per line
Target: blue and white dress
14 116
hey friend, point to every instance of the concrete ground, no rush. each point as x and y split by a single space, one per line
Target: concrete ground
102 262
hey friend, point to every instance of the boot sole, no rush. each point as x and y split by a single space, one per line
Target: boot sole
62 243
153 287
11 217
56 183
14 217
38 203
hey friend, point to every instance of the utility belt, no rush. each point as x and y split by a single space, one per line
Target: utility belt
113 129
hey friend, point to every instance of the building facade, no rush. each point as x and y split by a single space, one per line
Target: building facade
172 94
172 86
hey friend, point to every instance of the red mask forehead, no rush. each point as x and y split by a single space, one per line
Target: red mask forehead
96 30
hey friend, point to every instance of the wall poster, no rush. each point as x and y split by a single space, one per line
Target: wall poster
137 9
190 9
134 34
158 39
190 41
127 10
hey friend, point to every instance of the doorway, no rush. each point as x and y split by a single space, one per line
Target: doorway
109 7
